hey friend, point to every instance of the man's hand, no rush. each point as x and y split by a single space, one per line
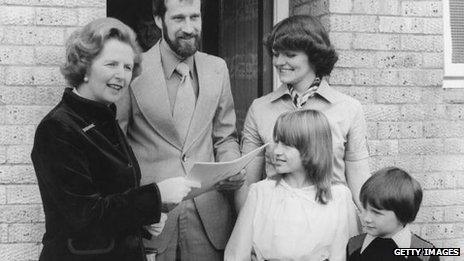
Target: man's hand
232 183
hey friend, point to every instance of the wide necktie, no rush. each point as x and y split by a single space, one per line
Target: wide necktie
185 102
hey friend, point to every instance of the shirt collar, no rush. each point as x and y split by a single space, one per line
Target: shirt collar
402 239
91 111
324 91
327 92
279 92
170 60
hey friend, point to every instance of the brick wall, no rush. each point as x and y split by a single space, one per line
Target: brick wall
391 59
32 36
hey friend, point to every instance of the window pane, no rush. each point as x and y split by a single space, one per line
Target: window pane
457 30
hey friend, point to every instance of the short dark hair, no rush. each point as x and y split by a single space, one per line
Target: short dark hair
309 132
85 44
392 188
304 33
159 7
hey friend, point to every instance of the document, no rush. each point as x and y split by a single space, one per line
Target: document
210 173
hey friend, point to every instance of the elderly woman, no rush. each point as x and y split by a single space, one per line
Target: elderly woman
88 176
303 57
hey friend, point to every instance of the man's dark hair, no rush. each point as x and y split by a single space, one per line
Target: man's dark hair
159 7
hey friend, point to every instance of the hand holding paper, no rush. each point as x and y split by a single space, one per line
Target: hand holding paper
173 190
232 183
211 173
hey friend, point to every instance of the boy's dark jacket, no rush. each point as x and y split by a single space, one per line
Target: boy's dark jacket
353 248
89 183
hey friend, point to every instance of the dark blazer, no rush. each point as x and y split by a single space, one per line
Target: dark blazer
89 182
355 243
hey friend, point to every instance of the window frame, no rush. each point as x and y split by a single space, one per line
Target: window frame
281 11
453 76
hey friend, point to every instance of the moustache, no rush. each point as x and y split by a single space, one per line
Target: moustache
187 36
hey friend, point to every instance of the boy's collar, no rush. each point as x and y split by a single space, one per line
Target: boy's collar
402 239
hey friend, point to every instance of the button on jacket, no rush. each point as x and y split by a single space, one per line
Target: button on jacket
89 182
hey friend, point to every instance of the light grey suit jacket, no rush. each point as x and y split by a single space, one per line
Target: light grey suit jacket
145 114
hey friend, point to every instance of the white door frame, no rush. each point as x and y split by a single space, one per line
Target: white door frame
281 11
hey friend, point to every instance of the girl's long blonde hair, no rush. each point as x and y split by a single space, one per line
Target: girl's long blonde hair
309 132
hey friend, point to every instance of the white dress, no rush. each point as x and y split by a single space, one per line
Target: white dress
279 222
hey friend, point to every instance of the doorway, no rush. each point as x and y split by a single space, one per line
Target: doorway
233 30
242 27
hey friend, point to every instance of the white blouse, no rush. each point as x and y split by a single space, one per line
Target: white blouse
285 223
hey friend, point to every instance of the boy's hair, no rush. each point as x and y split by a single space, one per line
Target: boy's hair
393 189
309 132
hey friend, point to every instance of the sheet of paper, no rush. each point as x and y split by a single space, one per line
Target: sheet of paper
210 173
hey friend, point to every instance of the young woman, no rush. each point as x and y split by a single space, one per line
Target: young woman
88 176
303 57
298 214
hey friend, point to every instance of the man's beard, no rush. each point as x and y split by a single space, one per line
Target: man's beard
185 49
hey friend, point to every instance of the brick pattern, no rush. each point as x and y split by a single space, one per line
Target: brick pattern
32 37
391 60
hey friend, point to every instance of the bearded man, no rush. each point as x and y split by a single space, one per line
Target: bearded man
177 112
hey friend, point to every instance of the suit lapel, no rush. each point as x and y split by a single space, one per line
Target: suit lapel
152 97
209 80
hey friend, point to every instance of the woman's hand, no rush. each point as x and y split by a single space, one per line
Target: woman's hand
173 190
156 228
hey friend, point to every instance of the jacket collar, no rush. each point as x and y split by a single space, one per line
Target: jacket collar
402 239
90 111
324 90
151 95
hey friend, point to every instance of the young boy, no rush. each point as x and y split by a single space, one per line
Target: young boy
391 199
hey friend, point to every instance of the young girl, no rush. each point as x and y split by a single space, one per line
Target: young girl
297 214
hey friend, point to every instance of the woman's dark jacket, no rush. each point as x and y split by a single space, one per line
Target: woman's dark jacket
89 182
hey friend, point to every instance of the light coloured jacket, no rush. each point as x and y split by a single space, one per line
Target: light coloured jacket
145 115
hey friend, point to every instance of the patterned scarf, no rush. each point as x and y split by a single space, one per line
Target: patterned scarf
300 99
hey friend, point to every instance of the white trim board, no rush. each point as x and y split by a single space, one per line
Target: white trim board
281 11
